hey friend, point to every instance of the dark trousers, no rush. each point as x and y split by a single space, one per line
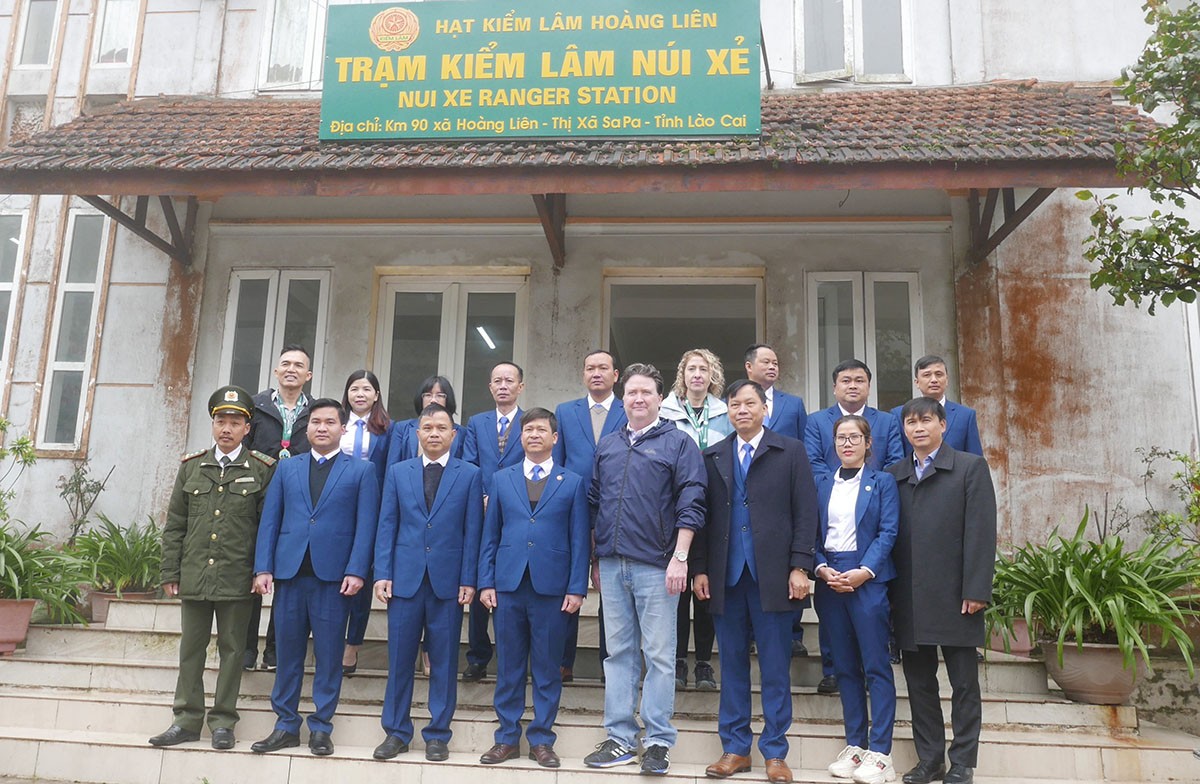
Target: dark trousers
196 619
572 642
966 708
530 630
360 613
256 604
479 643
304 605
693 614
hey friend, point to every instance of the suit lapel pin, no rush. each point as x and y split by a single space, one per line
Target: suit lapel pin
867 488
559 477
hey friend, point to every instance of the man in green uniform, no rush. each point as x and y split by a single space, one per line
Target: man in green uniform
208 562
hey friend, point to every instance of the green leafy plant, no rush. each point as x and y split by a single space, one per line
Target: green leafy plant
120 558
19 455
80 490
1185 484
1073 590
31 569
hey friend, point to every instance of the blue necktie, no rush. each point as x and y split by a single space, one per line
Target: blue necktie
747 453
537 473
503 425
322 460
358 439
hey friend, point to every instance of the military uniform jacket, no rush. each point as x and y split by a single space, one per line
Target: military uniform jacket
212 525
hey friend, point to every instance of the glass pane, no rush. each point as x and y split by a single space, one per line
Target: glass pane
74 327
835 332
883 40
85 249
249 334
893 344
300 319
5 301
66 390
10 246
656 323
416 339
117 31
39 31
824 36
289 39
491 323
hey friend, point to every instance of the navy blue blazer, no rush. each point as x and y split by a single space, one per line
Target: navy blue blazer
877 517
886 446
553 540
789 417
402 442
442 541
482 446
962 429
576 449
338 533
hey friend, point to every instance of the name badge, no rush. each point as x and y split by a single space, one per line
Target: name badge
244 479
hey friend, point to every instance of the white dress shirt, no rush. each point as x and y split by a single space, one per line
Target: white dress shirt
546 466
443 461
841 532
233 456
347 442
606 403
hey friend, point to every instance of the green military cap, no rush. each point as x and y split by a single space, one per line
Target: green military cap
231 398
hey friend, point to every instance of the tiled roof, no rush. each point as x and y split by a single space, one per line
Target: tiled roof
1022 122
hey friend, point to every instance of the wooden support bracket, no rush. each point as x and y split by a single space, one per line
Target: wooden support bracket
552 211
982 239
179 247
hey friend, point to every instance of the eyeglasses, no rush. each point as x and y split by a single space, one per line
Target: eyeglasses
434 395
854 439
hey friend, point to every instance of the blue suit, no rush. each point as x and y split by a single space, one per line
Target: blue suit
426 553
858 623
962 429
402 442
336 534
788 417
886 446
533 557
360 603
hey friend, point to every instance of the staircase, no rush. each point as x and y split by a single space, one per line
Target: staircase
79 703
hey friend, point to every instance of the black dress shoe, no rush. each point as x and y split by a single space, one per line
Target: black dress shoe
275 741
474 673
223 738
320 743
501 752
437 751
925 772
349 669
959 774
390 747
798 650
174 736
828 685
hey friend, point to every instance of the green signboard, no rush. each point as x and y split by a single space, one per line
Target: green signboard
468 69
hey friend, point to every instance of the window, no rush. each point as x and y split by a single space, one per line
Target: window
433 326
656 319
873 316
73 335
295 44
40 24
267 310
117 27
864 40
12 232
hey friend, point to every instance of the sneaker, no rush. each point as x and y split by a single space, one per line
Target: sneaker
656 760
848 761
876 768
706 680
609 754
249 660
269 663
680 673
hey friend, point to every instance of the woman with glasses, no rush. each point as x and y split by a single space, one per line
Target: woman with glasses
695 409
859 514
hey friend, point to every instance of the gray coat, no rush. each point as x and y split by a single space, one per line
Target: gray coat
945 551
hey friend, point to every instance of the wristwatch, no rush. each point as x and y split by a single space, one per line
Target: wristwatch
681 556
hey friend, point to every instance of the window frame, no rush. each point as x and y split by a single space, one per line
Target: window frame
852 47
19 55
99 38
278 285
53 365
13 288
314 50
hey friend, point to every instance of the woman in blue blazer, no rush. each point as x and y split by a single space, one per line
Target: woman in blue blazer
859 513
363 400
402 437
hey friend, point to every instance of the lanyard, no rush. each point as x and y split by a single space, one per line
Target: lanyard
699 422
289 416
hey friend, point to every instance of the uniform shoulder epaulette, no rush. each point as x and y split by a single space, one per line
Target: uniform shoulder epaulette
193 455
263 458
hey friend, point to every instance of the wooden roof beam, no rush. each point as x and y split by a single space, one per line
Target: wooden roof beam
552 212
983 240
179 247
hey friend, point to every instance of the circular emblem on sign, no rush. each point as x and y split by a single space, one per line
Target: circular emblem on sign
395 29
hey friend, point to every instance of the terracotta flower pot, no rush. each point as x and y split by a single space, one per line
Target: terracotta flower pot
14 623
1094 675
1019 644
101 600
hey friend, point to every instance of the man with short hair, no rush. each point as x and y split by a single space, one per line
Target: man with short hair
851 390
647 502
533 573
962 428
314 550
493 442
785 413
426 560
751 561
208 562
581 425
945 556
278 428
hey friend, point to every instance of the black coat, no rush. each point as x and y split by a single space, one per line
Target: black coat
945 551
266 428
782 498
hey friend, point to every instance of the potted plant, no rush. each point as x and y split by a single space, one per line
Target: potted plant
1094 606
1006 626
123 562
31 571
